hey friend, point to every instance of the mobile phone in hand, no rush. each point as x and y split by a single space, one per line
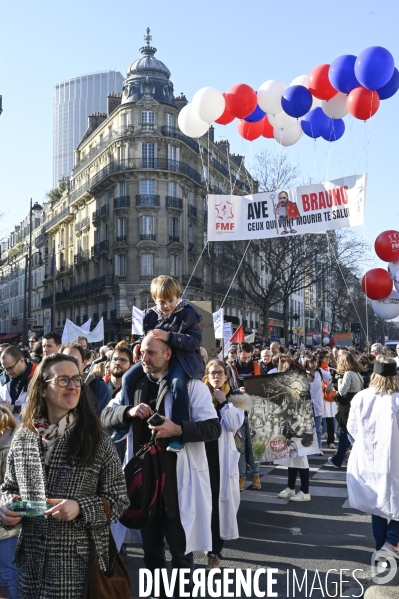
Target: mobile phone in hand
155 420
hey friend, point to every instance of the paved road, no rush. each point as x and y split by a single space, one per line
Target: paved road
319 535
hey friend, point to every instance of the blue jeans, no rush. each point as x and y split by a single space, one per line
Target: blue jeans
343 444
384 532
178 384
8 570
246 455
317 423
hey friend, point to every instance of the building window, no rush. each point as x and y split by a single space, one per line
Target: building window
122 228
170 120
147 116
147 227
191 234
120 265
126 119
147 264
172 154
173 189
173 229
148 155
191 198
174 266
122 188
147 187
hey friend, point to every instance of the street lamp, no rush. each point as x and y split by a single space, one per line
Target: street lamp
36 211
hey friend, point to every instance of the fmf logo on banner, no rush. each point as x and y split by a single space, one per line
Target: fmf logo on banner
224 216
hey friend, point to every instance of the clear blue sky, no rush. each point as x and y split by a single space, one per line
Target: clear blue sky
214 43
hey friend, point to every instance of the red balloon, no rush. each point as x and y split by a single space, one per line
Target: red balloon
362 103
268 129
226 117
387 246
377 284
241 100
319 83
250 131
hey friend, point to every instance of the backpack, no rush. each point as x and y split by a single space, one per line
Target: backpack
145 481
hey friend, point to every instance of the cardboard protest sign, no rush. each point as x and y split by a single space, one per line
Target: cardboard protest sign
281 418
208 331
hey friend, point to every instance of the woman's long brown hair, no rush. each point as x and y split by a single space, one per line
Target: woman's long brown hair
85 435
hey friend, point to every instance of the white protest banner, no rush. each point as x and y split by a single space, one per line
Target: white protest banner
137 321
218 318
85 328
250 338
300 210
227 335
72 332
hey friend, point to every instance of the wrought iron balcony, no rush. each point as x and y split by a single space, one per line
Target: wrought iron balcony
146 278
223 170
175 132
194 281
150 236
192 210
104 210
173 202
122 202
104 245
122 238
58 218
97 283
160 164
95 250
173 238
222 288
81 256
40 240
147 200
83 224
95 217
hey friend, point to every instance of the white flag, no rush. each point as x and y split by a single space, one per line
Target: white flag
218 318
72 332
250 338
137 321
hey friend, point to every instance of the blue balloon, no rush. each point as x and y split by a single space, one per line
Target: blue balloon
296 101
315 122
256 116
342 73
334 130
390 88
374 67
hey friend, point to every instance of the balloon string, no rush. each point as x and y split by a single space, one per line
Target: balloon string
346 285
235 274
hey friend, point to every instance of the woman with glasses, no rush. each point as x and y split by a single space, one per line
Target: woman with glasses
62 456
223 458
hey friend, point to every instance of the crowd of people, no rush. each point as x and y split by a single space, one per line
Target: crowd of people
72 418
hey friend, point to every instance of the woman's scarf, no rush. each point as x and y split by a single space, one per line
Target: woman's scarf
324 367
50 433
225 388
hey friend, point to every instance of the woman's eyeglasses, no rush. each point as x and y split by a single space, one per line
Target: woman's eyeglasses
216 373
63 381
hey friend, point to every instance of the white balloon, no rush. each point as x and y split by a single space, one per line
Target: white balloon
387 308
282 120
288 137
393 268
269 96
335 108
209 104
300 80
326 340
190 124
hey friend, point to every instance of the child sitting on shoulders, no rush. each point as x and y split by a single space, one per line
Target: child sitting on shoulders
174 321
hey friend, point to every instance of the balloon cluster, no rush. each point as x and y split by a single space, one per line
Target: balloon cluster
377 283
313 104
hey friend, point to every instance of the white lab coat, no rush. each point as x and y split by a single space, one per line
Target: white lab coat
193 483
373 467
231 418
316 391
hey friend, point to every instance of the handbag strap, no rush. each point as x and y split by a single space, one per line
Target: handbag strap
107 509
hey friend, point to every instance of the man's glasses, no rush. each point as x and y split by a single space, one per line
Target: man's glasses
11 368
63 381
121 360
216 373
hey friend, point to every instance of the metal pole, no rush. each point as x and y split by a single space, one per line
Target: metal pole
25 323
30 263
54 273
212 275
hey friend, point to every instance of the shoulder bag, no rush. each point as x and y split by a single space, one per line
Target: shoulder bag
112 584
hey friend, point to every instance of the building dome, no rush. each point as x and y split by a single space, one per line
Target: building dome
148 75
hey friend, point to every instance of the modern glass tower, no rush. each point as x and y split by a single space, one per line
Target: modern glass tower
74 100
